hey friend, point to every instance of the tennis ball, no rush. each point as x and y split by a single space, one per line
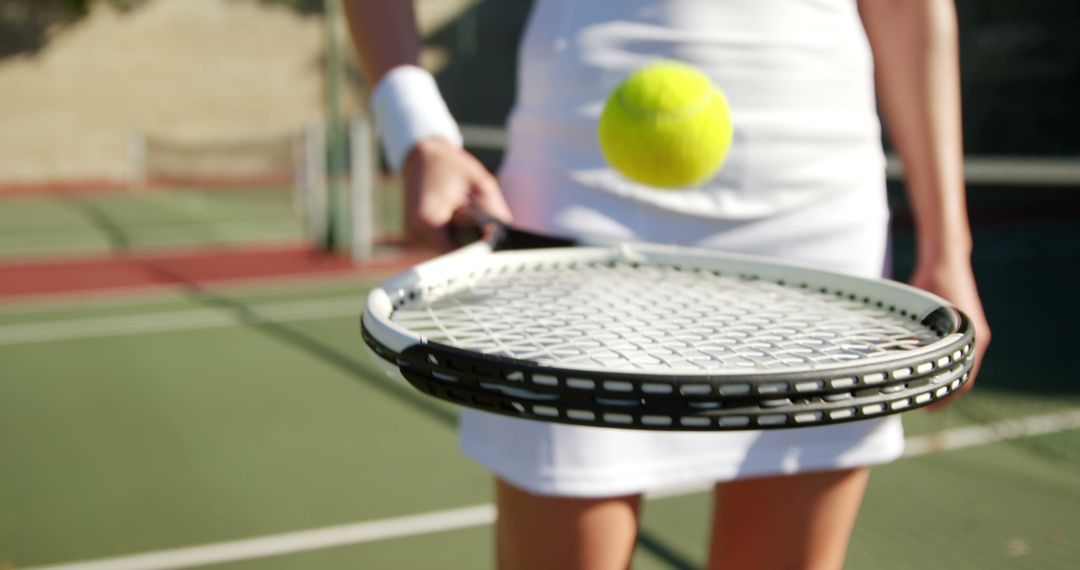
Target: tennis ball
666 126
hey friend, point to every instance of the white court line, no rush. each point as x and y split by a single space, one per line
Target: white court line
969 436
292 542
102 245
135 297
484 514
97 327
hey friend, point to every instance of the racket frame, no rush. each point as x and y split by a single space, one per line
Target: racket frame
428 364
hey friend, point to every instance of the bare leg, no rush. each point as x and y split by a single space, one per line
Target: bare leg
786 523
540 532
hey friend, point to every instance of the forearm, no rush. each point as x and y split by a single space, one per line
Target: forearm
384 33
405 100
442 182
917 71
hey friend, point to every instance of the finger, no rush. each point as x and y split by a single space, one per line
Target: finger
432 220
485 211
466 226
982 341
487 198
436 238
427 214
426 222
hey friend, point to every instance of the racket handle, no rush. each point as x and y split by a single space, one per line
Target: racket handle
505 237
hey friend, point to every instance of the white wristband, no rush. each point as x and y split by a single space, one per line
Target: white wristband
408 109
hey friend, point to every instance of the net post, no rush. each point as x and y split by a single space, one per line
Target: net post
337 128
364 174
136 150
316 197
300 173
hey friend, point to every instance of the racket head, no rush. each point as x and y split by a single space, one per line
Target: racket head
931 364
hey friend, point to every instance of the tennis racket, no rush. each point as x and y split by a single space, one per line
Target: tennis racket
663 338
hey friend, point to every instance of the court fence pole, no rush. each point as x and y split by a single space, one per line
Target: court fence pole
316 196
136 150
362 183
337 135
300 173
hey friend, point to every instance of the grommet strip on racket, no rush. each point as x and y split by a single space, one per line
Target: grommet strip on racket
660 337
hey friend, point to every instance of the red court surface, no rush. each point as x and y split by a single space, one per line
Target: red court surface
87 274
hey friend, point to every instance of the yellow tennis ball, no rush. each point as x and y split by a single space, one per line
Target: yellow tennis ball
666 126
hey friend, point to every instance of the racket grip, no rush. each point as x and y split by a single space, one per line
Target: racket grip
505 237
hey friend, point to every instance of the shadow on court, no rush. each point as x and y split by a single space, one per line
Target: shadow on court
345 362
1026 244
350 364
100 219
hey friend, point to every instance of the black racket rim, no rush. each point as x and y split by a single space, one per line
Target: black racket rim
464 378
438 358
719 399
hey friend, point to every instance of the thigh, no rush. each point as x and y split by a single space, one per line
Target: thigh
542 532
786 522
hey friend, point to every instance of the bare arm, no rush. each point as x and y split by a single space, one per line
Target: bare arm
384 33
443 183
918 80
915 54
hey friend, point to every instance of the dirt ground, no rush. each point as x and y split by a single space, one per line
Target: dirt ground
192 70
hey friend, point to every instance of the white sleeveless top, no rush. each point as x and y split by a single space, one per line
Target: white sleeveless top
797 73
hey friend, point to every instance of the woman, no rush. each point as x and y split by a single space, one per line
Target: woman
804 180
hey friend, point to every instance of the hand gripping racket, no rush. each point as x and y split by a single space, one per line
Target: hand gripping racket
664 338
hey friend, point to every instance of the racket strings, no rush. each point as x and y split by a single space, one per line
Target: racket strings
621 316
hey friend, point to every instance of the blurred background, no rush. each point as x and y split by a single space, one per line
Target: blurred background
192 209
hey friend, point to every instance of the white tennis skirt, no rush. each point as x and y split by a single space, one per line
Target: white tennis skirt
847 233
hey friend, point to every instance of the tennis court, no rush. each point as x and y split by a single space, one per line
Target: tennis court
240 425
87 223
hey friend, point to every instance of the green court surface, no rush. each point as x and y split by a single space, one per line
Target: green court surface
74 223
80 223
183 419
